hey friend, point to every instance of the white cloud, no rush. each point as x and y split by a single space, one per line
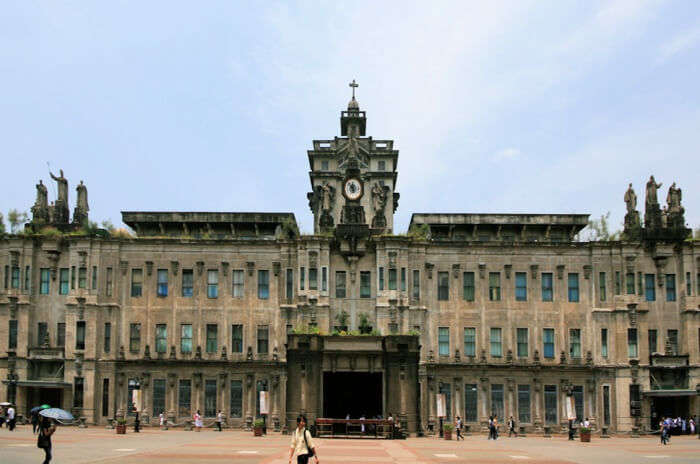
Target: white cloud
679 44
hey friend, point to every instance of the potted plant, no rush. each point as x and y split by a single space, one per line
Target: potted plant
365 328
585 434
447 431
121 426
258 427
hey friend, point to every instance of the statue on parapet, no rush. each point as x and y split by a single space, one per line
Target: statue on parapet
652 213
61 211
675 211
631 199
632 224
80 213
40 210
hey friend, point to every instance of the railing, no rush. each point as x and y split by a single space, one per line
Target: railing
340 428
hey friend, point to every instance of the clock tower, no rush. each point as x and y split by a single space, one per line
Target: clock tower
353 177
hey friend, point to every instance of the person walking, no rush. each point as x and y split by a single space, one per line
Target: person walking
458 428
664 431
197 421
302 445
495 427
46 428
219 419
161 419
692 426
11 418
137 422
511 427
35 422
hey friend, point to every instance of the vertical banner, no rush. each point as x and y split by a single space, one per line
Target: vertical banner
264 402
441 409
570 408
136 400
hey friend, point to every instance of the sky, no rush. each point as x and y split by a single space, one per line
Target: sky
495 107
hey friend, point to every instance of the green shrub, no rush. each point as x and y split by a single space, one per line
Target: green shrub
447 427
258 423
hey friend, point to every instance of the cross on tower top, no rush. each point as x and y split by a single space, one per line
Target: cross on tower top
353 85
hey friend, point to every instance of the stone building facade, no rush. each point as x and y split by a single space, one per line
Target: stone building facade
504 314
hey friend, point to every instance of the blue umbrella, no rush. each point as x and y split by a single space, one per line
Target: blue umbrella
56 413
39 408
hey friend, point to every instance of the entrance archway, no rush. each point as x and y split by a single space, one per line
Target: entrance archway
353 393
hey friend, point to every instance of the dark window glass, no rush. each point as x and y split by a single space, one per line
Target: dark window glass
444 341
27 278
302 276
313 278
82 277
135 337
604 343
158 396
187 282
522 338
136 282
524 404
161 338
496 344
652 341
520 286
263 284
578 402
470 403
618 283
497 399
324 279
105 397
212 283
602 293
365 284
670 287
469 341
61 334
548 342
403 279
162 282
573 288
575 343
212 338
209 398
494 286
443 286
63 281
392 279
42 333
606 405
108 282
340 284
80 335
94 278
289 284
108 337
78 392
184 396
263 339
632 350
15 276
468 286
547 287
12 338
649 289
237 338
186 338
236 399
416 285
381 278
44 281
629 283
72 277
550 404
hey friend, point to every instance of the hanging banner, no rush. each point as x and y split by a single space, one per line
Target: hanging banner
136 398
264 402
441 409
570 408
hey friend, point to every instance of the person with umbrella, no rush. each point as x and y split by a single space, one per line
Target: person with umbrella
47 427
35 416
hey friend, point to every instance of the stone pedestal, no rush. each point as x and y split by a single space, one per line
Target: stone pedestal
188 425
604 433
547 431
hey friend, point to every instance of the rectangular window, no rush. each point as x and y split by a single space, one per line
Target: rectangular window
575 343
82 277
302 276
340 284
105 397
61 334
520 286
415 294
688 284
392 279
12 338
213 283
632 350
604 343
324 279
212 338
640 285
524 404
135 337
403 279
42 332
444 341
649 289
108 282
44 280
209 398
443 286
107 338
365 284
652 338
7 276
497 399
15 276
27 278
237 289
606 405
548 343
494 286
470 402
313 278
496 344
186 338
381 278
263 339
550 404
523 349
63 281
629 283
573 287
158 396
602 293
80 335
72 277
162 283
237 338
672 335
136 282
381 165
469 341
618 283
94 278
78 392
324 165
236 399
263 284
578 402
670 287
187 282
547 287
289 284
468 286
184 397
161 338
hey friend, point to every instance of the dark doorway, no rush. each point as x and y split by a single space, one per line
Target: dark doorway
354 393
673 407
38 396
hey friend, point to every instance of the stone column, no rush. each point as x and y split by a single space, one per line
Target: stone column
423 385
539 404
591 401
484 418
431 404
283 401
250 401
510 410
458 398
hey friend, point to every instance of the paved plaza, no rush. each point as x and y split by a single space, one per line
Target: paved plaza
153 446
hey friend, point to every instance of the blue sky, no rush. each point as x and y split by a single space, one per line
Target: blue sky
517 106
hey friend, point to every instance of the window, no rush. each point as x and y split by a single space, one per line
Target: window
632 351
324 279
105 397
237 290
313 278
497 399
469 341
44 281
236 399
547 286
573 287
15 277
184 396
640 285
136 282
78 392
158 396
550 404
263 339
652 338
688 284
72 277
365 284
212 338
340 284
237 338
289 284
94 278
468 286
470 402
602 294
381 278
670 287
494 286
606 405
186 338
63 281
324 165
443 286
187 282
381 165
522 337
392 279
578 402
108 282
161 338
520 286
672 335
302 275
212 283
403 279
7 276
12 338
80 335
629 283
575 343
604 343
27 278
82 277
135 337
263 284
444 341
618 283
649 289
107 337
61 334
496 348
524 404
416 285
548 342
162 282
42 332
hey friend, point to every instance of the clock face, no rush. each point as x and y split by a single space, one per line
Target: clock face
352 189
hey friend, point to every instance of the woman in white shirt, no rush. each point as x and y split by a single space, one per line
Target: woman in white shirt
302 444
